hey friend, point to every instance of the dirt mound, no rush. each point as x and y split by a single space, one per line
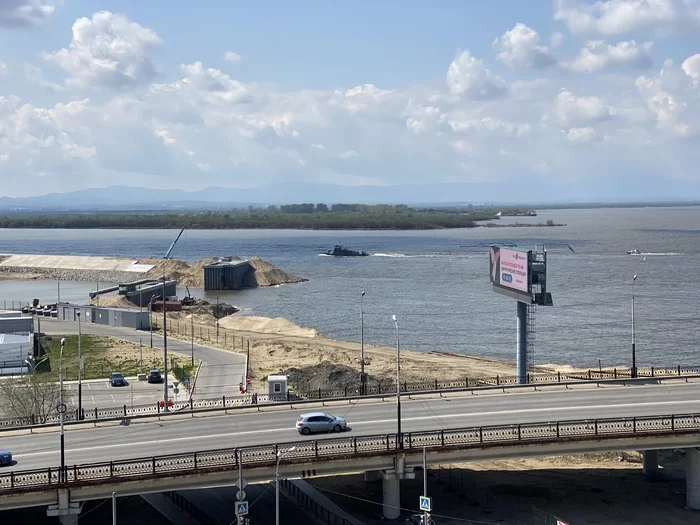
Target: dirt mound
325 375
261 272
204 312
264 274
266 325
112 301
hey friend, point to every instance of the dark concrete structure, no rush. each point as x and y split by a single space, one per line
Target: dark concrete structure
225 275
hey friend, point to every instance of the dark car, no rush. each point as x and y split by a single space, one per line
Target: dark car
5 457
154 376
117 379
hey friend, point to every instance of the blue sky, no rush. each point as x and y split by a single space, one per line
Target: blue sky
95 93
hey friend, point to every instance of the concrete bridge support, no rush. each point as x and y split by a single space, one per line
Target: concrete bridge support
391 487
692 478
66 511
650 463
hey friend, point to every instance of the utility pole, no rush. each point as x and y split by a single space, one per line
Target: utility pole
80 370
165 350
634 336
114 508
140 357
425 483
192 334
399 436
58 298
363 378
217 319
61 411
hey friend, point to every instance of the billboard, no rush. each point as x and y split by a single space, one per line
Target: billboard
510 269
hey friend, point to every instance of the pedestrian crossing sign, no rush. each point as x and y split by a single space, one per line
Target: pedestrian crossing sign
425 504
241 508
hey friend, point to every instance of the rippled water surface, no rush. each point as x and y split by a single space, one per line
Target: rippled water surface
437 282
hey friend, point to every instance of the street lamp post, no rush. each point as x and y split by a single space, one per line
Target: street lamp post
363 379
61 411
633 372
80 370
399 436
165 350
192 334
280 455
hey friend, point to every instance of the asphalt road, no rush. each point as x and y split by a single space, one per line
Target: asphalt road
100 394
221 371
249 427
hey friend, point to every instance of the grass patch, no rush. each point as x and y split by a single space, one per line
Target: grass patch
184 368
102 355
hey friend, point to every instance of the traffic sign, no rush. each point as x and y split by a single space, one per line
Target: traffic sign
185 379
175 384
243 484
240 495
425 504
176 390
241 508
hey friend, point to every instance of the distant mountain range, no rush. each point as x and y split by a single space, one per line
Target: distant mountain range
525 191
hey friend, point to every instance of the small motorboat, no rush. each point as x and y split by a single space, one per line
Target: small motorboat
633 252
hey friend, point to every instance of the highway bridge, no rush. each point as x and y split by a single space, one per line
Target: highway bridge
154 455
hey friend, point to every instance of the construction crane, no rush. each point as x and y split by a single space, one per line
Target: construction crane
167 254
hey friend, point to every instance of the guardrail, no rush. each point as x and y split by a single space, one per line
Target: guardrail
338 394
345 448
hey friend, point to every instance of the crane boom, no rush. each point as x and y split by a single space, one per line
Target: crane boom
167 254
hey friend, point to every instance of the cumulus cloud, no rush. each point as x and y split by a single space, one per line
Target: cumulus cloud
596 54
672 98
467 76
3 68
520 47
691 66
575 111
231 56
20 13
557 39
107 50
586 134
36 76
613 17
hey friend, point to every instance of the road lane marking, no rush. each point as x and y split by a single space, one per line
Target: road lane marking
357 423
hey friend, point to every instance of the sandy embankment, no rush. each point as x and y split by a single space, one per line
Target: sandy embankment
279 346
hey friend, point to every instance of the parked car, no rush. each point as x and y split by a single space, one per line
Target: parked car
154 376
5 457
320 422
117 379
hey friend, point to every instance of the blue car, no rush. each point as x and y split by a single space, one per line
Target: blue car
5 457
117 379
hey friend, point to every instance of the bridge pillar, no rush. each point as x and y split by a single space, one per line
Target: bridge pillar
650 463
66 510
692 478
391 487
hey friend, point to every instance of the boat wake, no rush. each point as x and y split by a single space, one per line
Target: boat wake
417 256
656 254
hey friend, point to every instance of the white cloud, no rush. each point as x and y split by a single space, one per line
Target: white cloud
349 154
613 17
231 56
3 68
557 39
596 55
575 111
107 50
520 47
467 76
580 134
672 99
36 76
19 13
691 66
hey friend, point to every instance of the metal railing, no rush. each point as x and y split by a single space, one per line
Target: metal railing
348 392
187 464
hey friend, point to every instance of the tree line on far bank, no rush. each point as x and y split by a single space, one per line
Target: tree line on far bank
289 216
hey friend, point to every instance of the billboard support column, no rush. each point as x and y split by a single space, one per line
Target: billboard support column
521 356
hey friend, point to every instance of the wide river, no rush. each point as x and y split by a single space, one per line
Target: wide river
437 282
